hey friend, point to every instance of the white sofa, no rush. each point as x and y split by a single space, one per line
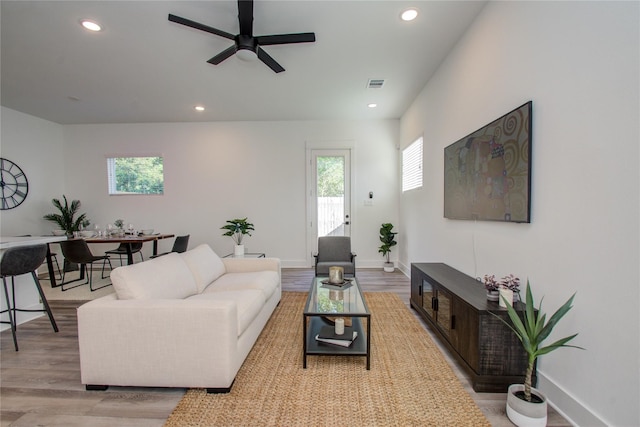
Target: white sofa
179 320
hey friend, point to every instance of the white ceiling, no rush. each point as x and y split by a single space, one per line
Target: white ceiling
143 68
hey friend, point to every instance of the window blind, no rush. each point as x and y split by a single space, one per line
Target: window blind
412 166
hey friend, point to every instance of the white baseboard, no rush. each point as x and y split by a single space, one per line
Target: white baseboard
574 411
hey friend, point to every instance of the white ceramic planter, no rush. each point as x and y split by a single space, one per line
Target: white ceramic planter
388 267
523 413
238 250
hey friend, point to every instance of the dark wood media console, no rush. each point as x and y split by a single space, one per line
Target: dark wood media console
456 309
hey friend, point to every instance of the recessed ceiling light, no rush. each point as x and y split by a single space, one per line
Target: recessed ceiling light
409 14
90 25
199 108
372 105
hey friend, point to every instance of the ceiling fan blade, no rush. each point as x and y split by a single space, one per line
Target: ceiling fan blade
245 17
223 55
199 26
269 61
286 38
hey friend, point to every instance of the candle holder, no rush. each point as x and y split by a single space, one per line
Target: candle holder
336 275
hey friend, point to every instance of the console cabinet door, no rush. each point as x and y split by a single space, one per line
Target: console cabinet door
428 298
444 311
464 332
416 287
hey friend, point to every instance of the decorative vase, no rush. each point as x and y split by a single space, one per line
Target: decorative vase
238 250
493 295
507 294
523 413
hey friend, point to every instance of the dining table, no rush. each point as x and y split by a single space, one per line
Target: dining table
128 239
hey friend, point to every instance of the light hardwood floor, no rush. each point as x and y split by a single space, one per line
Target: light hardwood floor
40 384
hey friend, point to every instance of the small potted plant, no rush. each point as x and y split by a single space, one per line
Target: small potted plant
237 229
387 237
492 286
509 287
527 406
66 218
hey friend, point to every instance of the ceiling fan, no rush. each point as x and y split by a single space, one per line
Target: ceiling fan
246 45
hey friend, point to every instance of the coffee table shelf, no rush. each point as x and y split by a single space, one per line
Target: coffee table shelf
329 301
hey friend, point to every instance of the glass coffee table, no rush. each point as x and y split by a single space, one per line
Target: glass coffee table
325 302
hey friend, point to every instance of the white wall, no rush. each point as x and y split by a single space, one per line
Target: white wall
579 63
220 171
37 146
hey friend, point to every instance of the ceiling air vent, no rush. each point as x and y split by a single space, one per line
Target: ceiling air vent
375 83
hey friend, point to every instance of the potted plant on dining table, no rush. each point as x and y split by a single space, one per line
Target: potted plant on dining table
66 216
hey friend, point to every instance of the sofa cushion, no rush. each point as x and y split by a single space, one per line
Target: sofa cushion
165 277
265 281
206 266
249 303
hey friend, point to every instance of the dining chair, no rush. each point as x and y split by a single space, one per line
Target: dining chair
15 262
121 251
335 251
179 245
77 251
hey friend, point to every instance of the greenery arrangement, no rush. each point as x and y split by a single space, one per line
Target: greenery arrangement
66 218
237 229
387 237
508 282
534 330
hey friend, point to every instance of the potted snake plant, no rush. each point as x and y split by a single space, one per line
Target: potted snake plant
526 405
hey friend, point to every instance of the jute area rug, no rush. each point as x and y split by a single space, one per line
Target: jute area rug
409 384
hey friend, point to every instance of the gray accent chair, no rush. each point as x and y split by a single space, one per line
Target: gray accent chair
335 251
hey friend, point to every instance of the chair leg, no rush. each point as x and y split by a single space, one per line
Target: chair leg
12 321
55 259
91 276
104 264
62 282
45 302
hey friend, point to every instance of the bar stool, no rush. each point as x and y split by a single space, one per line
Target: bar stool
15 262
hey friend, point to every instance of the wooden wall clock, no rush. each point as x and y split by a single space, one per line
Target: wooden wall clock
14 186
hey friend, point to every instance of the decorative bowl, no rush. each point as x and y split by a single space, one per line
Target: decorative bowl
147 231
87 233
59 232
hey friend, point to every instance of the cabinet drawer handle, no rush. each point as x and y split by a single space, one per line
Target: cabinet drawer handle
453 322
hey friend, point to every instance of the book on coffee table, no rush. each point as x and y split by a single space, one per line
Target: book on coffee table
327 335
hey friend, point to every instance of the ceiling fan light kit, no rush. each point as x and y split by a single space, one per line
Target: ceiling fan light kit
246 45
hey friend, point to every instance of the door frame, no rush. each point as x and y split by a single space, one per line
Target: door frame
311 233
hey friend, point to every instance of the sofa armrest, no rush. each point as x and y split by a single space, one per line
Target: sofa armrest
173 343
243 265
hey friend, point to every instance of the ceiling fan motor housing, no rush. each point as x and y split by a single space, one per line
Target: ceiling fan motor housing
246 42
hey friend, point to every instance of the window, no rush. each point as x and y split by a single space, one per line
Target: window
135 175
412 166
